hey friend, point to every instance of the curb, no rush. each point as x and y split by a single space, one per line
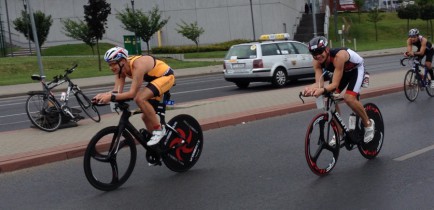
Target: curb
64 152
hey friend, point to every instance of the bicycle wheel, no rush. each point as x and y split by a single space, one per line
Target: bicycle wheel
182 158
371 149
43 112
411 85
320 156
87 106
429 90
107 166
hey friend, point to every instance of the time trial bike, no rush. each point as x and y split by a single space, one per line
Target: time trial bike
111 154
321 155
416 79
47 112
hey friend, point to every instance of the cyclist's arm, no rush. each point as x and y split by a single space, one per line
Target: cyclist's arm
119 84
319 80
140 67
409 48
339 62
421 52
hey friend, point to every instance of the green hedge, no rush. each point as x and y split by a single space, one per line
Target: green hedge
224 46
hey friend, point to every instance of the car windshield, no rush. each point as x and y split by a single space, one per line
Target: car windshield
242 52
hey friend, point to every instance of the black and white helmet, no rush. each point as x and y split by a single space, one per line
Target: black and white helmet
115 54
317 45
413 32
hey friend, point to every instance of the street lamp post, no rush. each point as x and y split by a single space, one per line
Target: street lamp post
135 35
28 26
9 28
36 41
253 22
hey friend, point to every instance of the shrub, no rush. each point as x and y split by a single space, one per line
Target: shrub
224 46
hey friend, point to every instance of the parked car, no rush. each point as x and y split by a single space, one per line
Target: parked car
275 61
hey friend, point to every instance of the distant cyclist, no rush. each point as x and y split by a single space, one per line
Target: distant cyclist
139 68
424 48
348 72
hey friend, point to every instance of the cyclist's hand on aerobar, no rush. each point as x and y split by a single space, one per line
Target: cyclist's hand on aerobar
102 98
309 91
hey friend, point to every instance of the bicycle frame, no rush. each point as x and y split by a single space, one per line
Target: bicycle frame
423 82
125 124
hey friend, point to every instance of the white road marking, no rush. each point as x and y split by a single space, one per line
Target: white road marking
414 154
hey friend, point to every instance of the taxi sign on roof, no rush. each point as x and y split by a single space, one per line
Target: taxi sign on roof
272 37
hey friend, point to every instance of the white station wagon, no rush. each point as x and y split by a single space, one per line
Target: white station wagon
270 61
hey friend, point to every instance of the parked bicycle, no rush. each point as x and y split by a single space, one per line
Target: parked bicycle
47 113
111 154
416 79
320 154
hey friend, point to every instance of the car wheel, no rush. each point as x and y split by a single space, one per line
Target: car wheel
279 78
242 85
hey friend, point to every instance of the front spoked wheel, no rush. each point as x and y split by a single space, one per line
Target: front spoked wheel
184 144
411 85
320 156
108 165
87 106
372 149
43 112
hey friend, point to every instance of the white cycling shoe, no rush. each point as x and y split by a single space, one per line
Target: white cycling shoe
369 132
157 135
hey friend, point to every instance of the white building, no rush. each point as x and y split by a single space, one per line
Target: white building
222 20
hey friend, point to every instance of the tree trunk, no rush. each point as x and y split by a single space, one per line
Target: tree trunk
376 33
147 47
99 58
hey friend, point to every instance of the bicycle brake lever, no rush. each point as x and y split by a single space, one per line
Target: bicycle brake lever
300 96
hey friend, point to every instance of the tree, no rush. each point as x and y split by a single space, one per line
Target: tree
141 24
427 14
95 15
409 12
42 22
190 31
374 16
359 4
79 31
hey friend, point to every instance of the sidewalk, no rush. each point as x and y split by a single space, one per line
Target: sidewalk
31 147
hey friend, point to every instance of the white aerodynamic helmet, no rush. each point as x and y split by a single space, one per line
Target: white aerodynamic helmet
115 54
413 32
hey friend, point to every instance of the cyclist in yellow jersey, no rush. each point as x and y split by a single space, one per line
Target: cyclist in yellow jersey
160 78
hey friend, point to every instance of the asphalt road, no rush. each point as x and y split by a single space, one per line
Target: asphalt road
13 115
257 165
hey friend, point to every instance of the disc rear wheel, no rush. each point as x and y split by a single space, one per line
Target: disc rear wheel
182 156
372 149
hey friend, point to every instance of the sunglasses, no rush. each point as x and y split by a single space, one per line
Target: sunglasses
317 51
413 36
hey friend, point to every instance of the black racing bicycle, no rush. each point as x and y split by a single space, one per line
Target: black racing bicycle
47 112
111 154
321 155
416 79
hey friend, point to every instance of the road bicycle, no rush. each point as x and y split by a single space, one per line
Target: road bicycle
416 79
321 156
111 154
47 113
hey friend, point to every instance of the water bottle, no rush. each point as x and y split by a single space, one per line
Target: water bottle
365 83
352 121
63 96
